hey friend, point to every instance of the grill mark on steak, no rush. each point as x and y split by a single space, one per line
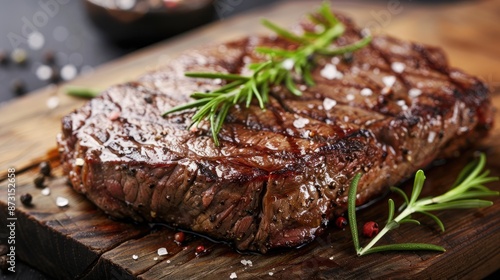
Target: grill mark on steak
270 184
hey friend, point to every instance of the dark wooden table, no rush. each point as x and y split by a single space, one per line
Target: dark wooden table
79 241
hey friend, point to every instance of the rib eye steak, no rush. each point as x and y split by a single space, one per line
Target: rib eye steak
281 174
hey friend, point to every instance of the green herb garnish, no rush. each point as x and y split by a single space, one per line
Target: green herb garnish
82 92
464 193
280 67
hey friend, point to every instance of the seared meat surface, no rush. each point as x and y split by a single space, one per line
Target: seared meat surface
281 174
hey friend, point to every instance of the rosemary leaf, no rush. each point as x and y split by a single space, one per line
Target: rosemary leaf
327 14
402 193
351 211
408 220
435 218
275 52
459 204
290 85
391 210
193 104
347 48
284 33
82 92
222 76
405 247
418 184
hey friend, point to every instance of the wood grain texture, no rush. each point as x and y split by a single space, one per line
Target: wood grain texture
80 241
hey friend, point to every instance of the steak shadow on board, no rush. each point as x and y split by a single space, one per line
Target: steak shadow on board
280 174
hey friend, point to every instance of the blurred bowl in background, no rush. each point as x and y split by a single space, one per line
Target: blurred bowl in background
141 22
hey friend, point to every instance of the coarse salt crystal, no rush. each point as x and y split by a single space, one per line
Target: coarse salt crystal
68 72
125 4
233 275
389 81
219 171
328 103
36 40
288 64
398 67
401 103
43 72
79 162
46 191
365 32
247 262
155 258
350 97
162 251
217 81
271 273
329 72
300 122
331 258
168 261
135 257
366 92
414 92
53 102
431 136
61 201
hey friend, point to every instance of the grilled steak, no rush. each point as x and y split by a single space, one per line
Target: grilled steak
282 173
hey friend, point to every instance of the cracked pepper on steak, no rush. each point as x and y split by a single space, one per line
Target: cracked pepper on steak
281 174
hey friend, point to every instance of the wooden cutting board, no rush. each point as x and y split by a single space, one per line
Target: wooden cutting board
79 241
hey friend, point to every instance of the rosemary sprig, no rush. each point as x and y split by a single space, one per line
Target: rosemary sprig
280 67
464 193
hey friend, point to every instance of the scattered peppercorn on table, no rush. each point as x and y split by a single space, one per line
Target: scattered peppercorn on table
76 240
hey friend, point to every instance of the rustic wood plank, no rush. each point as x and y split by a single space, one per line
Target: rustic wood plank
63 241
80 241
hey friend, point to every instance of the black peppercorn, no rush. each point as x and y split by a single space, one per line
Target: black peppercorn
39 181
348 57
45 168
3 57
18 87
49 57
54 76
26 199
